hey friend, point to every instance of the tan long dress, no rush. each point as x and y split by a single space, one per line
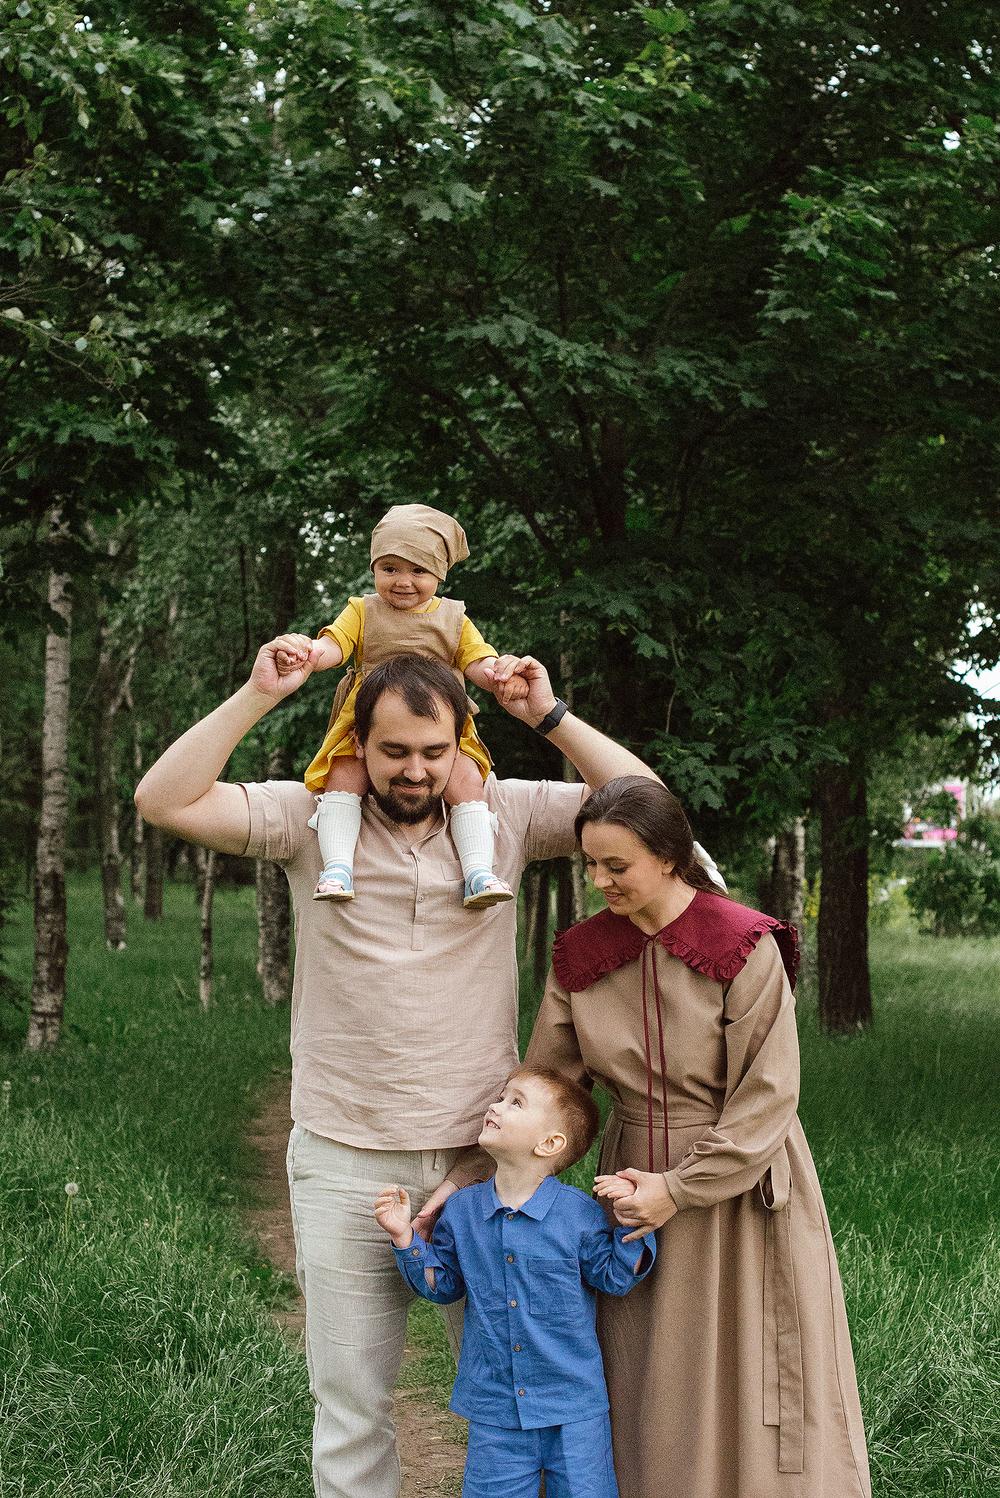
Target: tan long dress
729 1369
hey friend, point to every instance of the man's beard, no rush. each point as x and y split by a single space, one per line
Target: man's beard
406 809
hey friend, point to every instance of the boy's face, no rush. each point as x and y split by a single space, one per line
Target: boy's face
402 584
523 1123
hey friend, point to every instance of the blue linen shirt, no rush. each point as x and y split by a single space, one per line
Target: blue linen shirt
530 1355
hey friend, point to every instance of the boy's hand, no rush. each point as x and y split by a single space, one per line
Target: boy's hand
647 1207
613 1188
392 1213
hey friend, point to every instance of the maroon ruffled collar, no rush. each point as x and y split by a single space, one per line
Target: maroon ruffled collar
714 936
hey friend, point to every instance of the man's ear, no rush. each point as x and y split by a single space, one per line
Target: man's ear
359 748
552 1144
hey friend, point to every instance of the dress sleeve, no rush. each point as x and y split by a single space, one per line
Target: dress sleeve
553 1040
347 629
471 646
442 1257
611 1265
762 1087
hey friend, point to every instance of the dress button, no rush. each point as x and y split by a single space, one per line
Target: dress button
520 1391
510 1258
517 1347
513 1302
510 1217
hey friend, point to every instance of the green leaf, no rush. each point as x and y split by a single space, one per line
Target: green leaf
385 103
665 22
516 13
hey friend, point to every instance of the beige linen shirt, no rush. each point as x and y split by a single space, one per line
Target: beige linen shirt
404 1004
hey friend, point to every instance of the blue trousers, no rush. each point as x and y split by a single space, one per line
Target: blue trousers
575 1458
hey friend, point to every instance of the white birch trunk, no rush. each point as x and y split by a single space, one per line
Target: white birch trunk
48 988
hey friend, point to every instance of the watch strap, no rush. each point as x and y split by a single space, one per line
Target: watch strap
554 718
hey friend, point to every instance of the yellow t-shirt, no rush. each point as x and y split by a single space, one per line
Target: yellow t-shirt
348 631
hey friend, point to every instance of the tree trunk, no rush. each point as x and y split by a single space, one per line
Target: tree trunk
109 697
137 861
206 870
48 988
153 845
578 878
540 933
845 1000
788 872
274 924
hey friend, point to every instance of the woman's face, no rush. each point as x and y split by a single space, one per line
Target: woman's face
628 875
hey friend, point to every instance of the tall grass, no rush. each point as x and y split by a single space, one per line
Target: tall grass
137 1352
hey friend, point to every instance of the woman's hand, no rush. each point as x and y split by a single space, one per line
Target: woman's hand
613 1188
392 1213
647 1207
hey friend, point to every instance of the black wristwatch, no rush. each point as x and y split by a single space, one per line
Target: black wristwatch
554 718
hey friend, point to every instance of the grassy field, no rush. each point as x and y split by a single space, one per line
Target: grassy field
136 1351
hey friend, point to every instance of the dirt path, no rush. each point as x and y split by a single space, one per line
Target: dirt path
432 1460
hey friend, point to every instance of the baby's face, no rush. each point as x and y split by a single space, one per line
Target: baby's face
523 1116
402 584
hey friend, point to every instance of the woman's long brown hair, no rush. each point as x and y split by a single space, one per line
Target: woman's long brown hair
656 817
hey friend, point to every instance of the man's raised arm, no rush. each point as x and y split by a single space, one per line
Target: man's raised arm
182 792
596 758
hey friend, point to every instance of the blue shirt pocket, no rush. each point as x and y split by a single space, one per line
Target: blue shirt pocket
554 1289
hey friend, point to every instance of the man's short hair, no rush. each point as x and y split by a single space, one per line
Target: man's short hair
422 683
577 1112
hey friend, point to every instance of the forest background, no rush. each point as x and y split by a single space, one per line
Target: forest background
687 313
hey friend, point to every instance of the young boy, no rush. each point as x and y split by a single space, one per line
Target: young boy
528 1252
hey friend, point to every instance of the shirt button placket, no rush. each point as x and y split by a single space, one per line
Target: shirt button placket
417 937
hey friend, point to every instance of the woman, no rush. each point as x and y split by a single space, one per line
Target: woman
729 1369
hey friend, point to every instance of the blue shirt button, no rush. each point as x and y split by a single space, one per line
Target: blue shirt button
513 1302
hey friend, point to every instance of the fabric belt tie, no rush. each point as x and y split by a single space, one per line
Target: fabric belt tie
783 1382
681 1118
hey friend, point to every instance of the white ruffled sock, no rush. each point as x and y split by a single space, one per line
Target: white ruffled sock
472 827
337 820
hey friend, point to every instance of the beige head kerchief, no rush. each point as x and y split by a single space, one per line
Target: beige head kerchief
426 537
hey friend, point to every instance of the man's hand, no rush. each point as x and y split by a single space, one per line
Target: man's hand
291 652
392 1213
428 1215
521 686
647 1207
279 679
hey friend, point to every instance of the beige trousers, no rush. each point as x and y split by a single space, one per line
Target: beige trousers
356 1303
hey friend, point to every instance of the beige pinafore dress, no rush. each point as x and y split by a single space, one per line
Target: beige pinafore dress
388 632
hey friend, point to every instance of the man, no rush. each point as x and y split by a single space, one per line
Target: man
404 1005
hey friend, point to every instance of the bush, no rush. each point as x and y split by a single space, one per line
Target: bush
957 892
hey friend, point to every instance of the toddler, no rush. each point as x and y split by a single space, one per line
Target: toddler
412 549
528 1252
